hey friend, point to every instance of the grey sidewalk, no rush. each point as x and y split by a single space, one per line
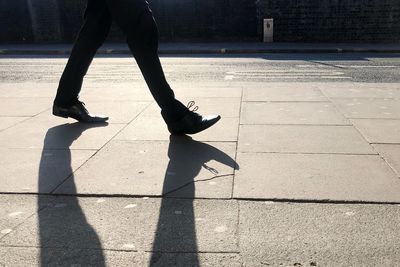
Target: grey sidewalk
294 174
213 48
235 195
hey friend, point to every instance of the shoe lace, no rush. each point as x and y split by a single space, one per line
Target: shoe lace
190 105
83 105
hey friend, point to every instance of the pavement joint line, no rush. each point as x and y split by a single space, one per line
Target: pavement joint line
286 101
41 112
193 252
309 153
196 181
277 200
378 119
49 149
396 144
235 199
166 141
27 118
387 162
317 201
126 196
297 124
69 176
366 98
356 118
237 138
362 136
68 248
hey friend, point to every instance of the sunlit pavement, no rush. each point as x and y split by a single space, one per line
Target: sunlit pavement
302 170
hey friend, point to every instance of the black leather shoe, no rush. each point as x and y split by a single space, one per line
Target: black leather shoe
78 112
192 122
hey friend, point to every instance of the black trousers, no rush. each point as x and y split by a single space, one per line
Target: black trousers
135 19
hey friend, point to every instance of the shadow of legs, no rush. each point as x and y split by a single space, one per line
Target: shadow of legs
176 228
66 238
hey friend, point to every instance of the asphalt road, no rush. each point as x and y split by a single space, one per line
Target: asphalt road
353 67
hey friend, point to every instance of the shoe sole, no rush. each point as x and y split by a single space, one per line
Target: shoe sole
63 115
199 130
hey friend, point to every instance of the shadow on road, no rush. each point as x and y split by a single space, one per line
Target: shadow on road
176 227
66 238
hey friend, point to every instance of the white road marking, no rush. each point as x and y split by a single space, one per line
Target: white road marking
287 74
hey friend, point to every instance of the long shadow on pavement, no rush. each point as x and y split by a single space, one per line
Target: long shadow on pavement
66 238
176 228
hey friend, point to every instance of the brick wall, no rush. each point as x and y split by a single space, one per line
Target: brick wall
216 20
332 20
178 20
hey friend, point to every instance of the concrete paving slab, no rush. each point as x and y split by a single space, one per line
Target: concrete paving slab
19 256
138 91
369 108
39 133
15 209
143 128
36 170
6 122
122 91
360 90
225 107
200 91
118 111
29 256
302 139
379 131
391 153
193 259
315 177
155 168
160 225
209 188
28 90
319 234
23 106
291 113
282 92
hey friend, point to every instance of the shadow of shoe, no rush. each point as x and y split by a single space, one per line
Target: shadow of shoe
177 234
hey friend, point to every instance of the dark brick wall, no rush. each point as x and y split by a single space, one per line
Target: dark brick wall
206 19
44 21
15 23
332 20
178 20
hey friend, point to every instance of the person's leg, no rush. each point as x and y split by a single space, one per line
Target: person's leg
135 19
97 22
